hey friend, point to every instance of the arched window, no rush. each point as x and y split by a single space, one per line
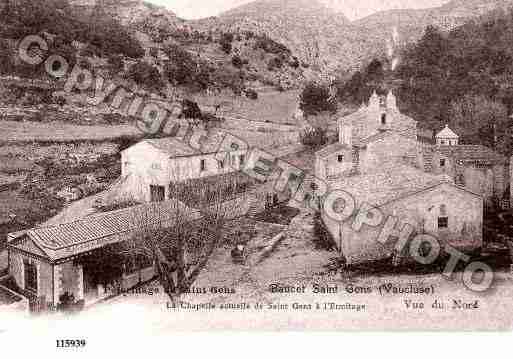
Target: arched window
443 219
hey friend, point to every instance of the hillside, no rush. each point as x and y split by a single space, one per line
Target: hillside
319 36
410 24
463 78
326 39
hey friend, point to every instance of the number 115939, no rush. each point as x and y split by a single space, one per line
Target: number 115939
70 343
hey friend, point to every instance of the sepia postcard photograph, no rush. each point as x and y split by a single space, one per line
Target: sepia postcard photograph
254 165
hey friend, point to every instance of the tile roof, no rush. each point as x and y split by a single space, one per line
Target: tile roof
106 224
387 184
469 153
447 133
304 160
172 146
331 149
212 141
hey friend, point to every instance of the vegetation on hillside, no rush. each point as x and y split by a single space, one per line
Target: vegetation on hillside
316 98
28 17
463 78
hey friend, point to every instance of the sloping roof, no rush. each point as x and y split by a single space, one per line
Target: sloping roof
470 153
116 225
304 160
364 113
373 138
331 149
213 140
172 146
447 133
387 184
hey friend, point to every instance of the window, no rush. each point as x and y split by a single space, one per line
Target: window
442 142
384 119
156 166
203 165
157 193
460 179
221 164
242 159
30 276
443 222
340 158
442 162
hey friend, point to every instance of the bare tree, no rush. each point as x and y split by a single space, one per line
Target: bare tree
180 240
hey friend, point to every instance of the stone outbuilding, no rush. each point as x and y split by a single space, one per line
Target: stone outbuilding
447 137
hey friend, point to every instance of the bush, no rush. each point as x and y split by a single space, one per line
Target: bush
294 63
190 109
237 62
251 94
272 47
226 42
145 75
314 138
316 98
323 238
275 63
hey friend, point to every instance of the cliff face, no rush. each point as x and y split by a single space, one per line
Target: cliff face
322 36
130 12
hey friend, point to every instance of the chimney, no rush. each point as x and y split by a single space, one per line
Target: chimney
346 134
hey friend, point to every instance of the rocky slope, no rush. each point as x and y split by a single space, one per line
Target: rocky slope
316 33
325 38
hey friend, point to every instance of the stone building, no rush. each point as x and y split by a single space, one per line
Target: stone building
447 137
430 204
476 167
149 167
380 161
378 134
375 134
48 262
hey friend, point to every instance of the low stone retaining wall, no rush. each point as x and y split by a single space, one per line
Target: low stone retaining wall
20 304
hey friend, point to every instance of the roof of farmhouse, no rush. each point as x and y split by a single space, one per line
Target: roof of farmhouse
115 225
215 140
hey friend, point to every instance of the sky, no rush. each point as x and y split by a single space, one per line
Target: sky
353 9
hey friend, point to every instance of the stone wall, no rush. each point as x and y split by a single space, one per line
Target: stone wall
44 274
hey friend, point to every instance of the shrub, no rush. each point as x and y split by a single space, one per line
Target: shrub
226 42
316 98
251 94
294 63
237 62
275 63
190 109
323 238
314 138
272 47
146 75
